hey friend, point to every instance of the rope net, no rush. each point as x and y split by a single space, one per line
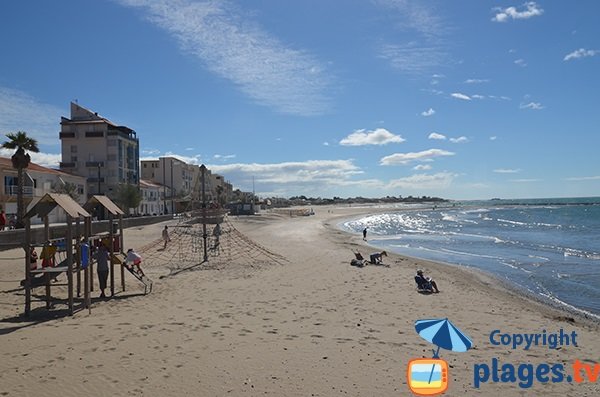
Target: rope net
225 248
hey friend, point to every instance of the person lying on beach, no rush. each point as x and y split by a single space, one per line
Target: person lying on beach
358 255
425 283
375 258
134 259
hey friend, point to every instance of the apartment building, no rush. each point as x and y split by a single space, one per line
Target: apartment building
38 181
105 153
185 180
153 198
171 172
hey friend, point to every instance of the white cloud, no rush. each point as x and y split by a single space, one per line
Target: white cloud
531 106
525 180
477 96
291 177
580 53
413 57
422 167
406 158
49 160
224 156
521 63
21 112
460 139
428 113
458 95
529 10
150 152
435 135
493 138
239 50
507 171
584 178
325 143
476 81
188 159
440 180
379 136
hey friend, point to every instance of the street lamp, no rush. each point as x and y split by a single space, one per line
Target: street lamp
98 177
204 236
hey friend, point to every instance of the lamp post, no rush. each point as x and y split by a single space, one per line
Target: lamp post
204 236
98 178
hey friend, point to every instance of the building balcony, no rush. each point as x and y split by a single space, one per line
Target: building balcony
94 164
94 134
94 179
11 190
68 165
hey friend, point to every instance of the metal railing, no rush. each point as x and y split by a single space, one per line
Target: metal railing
12 190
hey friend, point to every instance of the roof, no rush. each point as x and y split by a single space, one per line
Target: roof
149 183
105 202
7 163
49 201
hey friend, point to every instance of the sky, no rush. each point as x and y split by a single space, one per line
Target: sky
456 99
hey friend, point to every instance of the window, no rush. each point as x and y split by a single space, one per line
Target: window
73 148
73 159
80 189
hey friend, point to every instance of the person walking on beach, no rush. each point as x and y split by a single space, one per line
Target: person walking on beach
165 236
365 234
102 268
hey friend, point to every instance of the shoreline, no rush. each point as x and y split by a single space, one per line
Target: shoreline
503 284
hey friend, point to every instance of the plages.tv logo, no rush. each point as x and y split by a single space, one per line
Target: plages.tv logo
429 376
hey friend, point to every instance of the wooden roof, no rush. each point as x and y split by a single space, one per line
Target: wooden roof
52 200
105 202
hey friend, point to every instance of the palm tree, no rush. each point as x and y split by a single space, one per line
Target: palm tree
20 161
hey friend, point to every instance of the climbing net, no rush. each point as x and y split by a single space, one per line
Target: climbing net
185 251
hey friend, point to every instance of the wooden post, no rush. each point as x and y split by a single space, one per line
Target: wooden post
46 229
27 249
69 248
48 289
86 272
122 247
78 258
88 233
112 248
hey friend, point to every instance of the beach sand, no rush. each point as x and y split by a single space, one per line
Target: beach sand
279 312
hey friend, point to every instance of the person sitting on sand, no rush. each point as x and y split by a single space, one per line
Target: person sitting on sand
425 282
358 256
376 257
134 259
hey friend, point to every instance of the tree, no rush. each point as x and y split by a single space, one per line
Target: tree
20 161
220 200
67 188
128 196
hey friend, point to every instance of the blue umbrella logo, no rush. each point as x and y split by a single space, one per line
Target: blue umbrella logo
442 333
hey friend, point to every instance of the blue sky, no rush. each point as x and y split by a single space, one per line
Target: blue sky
458 99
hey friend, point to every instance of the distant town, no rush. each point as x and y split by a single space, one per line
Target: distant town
99 157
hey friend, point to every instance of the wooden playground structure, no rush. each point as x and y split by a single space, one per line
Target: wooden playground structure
75 250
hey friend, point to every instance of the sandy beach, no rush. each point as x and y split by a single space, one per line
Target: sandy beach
278 312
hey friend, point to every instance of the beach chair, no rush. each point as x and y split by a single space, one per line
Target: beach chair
423 285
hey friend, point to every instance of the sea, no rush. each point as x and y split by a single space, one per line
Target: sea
549 248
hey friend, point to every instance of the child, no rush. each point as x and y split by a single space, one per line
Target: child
33 257
135 259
